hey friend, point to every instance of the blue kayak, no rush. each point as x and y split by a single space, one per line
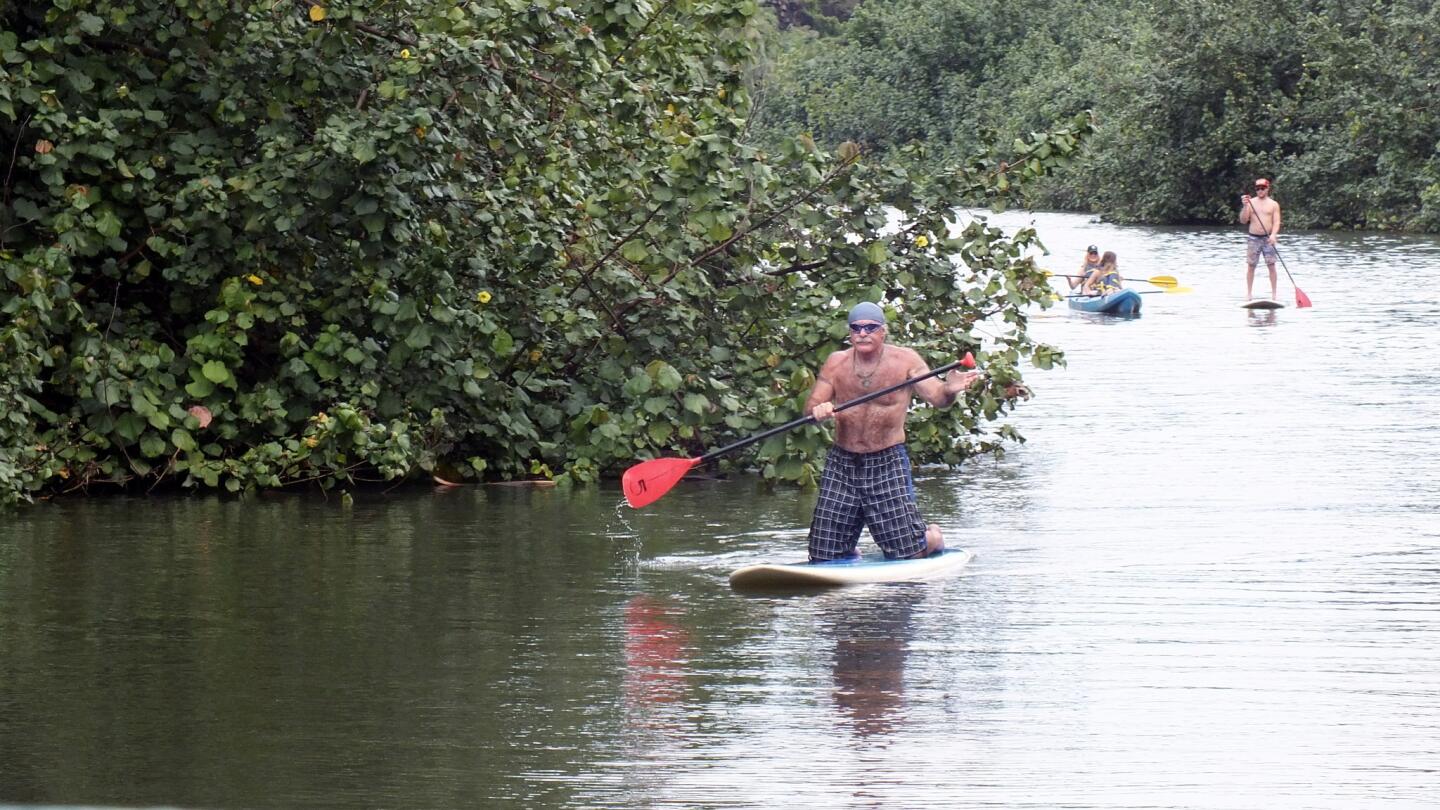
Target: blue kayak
1120 302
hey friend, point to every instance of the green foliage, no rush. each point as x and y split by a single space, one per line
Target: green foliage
1359 142
257 244
822 15
1193 98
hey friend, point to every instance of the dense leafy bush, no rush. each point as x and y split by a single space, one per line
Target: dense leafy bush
253 244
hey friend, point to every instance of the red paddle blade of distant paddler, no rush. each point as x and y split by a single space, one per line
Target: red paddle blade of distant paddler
968 361
648 481
1301 299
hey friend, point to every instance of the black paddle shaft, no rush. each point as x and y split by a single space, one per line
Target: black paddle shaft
807 420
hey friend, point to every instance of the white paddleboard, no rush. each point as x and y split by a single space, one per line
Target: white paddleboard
1263 304
838 573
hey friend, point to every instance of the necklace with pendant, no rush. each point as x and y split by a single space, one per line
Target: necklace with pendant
864 377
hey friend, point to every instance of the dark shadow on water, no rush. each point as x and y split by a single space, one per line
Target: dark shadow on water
1103 318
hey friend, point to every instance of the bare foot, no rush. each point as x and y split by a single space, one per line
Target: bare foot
934 541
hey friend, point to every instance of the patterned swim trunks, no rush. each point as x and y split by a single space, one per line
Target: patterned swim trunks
1257 246
866 490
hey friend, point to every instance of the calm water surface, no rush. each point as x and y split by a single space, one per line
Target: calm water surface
1211 579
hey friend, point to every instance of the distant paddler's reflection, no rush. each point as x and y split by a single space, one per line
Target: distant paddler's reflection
1261 317
872 633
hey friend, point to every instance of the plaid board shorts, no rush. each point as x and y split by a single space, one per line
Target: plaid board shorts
866 490
1257 246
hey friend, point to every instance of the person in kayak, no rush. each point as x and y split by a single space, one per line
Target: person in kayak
1090 264
1261 217
867 481
1105 278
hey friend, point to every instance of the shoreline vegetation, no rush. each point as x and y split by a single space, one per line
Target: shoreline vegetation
1192 99
260 245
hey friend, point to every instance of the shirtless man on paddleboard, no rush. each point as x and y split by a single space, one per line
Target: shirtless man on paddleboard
1261 216
867 480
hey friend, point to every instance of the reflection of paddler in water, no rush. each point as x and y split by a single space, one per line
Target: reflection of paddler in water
872 637
655 653
1261 317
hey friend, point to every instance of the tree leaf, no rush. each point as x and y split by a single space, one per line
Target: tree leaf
182 440
877 253
634 251
107 224
638 385
200 388
666 376
152 445
215 371
129 426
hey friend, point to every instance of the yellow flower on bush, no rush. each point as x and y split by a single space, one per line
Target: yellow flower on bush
483 296
254 279
922 240
311 441
317 13
404 53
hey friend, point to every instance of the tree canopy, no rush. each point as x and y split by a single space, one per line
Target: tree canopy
256 244
1193 98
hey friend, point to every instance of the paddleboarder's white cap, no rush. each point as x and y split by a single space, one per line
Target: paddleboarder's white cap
867 311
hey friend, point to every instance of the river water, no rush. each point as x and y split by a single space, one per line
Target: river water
1210 579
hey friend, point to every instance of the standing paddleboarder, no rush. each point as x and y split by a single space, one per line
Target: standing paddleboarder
1261 216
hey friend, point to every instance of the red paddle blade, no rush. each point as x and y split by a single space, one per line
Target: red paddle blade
648 481
1301 299
968 361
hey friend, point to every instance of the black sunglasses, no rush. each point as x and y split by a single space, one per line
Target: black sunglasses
866 328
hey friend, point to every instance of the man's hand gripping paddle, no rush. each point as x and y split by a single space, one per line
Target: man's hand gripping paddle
648 481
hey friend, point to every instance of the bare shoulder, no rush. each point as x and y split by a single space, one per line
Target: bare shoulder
833 362
910 359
